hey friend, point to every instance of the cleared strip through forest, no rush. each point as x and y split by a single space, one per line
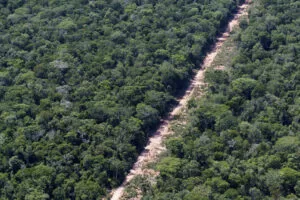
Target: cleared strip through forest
155 144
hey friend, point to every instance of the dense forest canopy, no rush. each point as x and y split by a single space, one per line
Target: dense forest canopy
242 140
83 83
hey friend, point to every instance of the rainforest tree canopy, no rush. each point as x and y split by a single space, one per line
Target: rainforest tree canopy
83 83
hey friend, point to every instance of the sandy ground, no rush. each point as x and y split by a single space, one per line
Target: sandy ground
155 144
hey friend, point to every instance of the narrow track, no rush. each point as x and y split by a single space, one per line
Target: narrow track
155 144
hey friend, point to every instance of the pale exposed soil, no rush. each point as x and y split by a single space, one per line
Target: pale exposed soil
155 145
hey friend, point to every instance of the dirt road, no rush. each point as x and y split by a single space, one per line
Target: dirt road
155 145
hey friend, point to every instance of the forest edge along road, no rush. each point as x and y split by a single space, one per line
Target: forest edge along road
155 143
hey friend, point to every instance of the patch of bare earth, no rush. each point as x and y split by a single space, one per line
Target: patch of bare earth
155 144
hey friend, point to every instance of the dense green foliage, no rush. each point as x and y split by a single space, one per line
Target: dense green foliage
243 139
82 84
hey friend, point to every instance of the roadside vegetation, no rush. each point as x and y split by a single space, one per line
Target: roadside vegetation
242 141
